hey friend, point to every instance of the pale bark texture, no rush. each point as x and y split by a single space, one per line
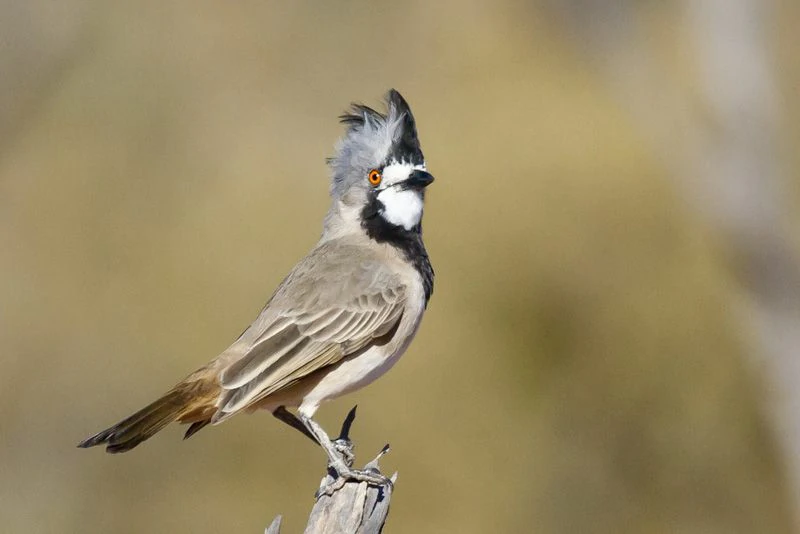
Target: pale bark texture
352 508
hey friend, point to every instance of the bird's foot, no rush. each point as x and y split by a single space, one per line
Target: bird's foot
340 474
340 478
341 458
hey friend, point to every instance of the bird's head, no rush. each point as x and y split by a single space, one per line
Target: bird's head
378 171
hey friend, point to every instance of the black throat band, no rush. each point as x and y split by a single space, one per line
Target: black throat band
409 242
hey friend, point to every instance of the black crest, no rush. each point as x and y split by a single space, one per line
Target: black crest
407 146
399 118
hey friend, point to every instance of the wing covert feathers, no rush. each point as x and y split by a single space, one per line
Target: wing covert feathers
316 337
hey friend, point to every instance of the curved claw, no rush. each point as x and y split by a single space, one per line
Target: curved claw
330 489
345 448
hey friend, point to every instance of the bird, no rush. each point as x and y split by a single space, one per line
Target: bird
343 315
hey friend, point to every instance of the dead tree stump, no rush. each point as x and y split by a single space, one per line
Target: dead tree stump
353 508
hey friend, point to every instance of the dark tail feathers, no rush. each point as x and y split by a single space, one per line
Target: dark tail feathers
140 426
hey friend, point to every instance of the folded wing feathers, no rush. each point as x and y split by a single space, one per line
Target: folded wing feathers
355 328
299 344
276 326
235 399
261 356
332 332
314 326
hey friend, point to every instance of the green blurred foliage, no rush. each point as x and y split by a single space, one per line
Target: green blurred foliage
579 368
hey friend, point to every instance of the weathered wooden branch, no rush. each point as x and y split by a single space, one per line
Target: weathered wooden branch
354 507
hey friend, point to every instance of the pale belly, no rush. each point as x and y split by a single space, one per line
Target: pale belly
348 376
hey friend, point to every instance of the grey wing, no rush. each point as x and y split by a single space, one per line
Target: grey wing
307 336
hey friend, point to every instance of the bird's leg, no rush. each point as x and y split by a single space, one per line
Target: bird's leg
343 444
337 463
282 414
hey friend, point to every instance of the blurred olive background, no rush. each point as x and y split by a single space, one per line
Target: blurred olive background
587 362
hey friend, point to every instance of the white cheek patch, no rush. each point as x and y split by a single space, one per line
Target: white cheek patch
401 207
397 172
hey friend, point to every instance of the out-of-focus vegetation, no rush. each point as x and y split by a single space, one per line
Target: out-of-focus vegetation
581 367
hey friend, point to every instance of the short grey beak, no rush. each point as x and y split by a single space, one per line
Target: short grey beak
418 180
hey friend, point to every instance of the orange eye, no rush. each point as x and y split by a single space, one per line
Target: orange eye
375 177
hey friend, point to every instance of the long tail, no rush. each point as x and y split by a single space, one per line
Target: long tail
187 402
